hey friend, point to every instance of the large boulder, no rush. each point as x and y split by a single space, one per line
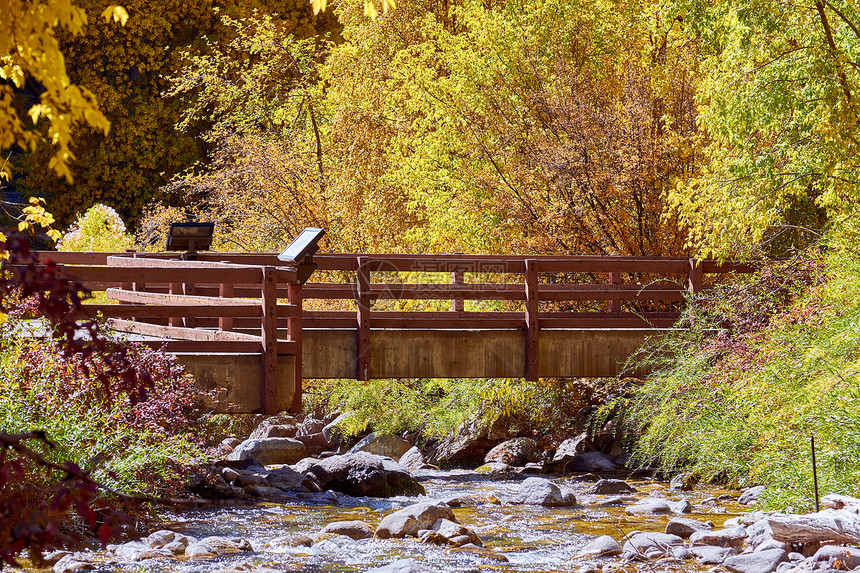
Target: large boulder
514 452
603 546
310 425
413 460
407 522
353 529
269 451
280 426
364 474
382 445
315 443
595 462
468 446
572 447
652 544
611 487
758 562
541 491
730 537
685 527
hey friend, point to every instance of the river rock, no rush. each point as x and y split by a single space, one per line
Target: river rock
479 551
541 491
402 566
652 544
468 446
297 540
611 487
407 522
413 460
649 505
137 551
289 479
591 462
280 426
603 546
758 562
364 474
494 468
269 451
353 529
332 432
711 555
382 445
514 452
829 525
315 444
732 537
211 485
572 447
447 532
74 563
685 527
750 496
245 567
683 481
838 557
310 425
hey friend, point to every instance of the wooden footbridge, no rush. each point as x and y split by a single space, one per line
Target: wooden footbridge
248 324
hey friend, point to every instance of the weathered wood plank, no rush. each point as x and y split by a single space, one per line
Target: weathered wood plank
178 332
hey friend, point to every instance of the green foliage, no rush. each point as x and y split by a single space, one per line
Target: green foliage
766 365
436 407
778 97
100 229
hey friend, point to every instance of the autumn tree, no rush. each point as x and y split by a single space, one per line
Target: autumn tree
778 97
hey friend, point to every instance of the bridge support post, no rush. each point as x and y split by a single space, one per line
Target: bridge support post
532 350
269 350
294 328
458 278
362 338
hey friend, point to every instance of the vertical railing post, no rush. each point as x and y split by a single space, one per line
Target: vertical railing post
532 351
225 290
615 303
458 278
189 289
175 288
695 281
294 329
362 335
269 336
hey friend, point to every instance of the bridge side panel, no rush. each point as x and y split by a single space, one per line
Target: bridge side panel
238 378
469 354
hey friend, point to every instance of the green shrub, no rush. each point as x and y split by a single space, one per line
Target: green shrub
765 364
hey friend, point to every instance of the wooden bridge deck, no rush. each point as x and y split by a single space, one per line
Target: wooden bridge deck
243 320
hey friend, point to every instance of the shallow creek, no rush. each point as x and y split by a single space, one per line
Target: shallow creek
532 538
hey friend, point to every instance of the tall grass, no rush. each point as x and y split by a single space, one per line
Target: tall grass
765 364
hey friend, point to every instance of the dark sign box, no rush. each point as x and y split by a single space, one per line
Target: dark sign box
303 245
190 236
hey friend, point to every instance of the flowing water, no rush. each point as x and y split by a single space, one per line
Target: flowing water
531 538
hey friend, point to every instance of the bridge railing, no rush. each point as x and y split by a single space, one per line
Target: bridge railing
222 282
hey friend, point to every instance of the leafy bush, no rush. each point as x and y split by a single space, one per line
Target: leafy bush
100 229
765 364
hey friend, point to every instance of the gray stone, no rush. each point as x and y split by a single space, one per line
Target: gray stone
269 451
289 479
73 563
541 491
454 533
750 496
302 466
685 527
280 426
290 541
245 567
138 551
711 555
759 533
407 522
331 432
364 474
199 551
611 487
310 425
682 506
494 468
603 546
759 562
353 529
54 556
651 544
266 492
572 447
316 443
382 445
649 505
838 557
469 445
514 452
412 459
160 538
733 537
683 481
591 462
402 566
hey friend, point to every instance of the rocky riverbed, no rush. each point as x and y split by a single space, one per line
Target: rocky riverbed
361 511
